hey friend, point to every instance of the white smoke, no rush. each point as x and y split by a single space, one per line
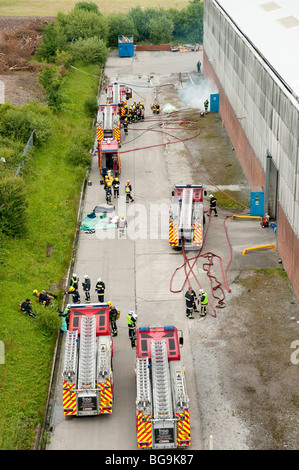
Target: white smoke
195 91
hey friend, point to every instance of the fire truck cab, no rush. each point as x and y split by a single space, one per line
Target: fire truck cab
108 157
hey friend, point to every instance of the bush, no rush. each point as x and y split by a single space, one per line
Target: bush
160 29
82 24
91 106
51 79
90 51
120 25
89 6
19 123
47 317
54 39
13 207
78 153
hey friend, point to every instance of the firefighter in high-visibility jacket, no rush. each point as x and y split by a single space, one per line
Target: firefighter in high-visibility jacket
132 322
203 299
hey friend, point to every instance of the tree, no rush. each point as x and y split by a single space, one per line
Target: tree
120 25
91 51
82 24
160 29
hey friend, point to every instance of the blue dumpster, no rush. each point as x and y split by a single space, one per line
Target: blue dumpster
125 46
257 204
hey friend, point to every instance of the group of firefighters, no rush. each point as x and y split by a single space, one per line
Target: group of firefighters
114 183
132 113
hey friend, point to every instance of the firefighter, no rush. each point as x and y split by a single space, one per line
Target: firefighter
213 205
203 299
26 308
113 315
100 289
142 110
115 185
125 124
128 190
129 115
108 193
86 287
44 298
191 298
74 282
132 322
206 105
74 293
65 317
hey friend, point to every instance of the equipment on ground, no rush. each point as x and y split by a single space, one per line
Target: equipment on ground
87 372
186 217
162 402
108 122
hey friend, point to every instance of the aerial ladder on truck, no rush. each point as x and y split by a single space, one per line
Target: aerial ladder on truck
87 372
108 122
186 217
117 93
162 402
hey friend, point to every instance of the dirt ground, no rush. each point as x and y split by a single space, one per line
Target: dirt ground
19 37
246 368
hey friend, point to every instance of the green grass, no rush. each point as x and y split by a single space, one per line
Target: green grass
36 262
51 8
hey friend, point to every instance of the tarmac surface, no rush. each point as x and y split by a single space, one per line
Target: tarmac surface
137 270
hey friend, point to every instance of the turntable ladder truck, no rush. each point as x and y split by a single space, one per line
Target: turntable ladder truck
162 402
87 373
186 217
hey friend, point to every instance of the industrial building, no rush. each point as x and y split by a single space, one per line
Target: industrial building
251 52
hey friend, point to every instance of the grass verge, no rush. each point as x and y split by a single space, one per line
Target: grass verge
40 261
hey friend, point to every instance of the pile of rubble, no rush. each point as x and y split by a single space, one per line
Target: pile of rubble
17 47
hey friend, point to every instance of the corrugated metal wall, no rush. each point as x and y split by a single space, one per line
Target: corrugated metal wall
267 111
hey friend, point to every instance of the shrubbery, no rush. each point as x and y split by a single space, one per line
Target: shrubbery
13 207
91 50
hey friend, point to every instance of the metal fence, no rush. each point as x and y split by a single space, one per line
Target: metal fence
25 153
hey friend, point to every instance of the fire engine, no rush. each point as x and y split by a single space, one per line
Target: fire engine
162 402
117 94
186 217
108 157
108 122
87 372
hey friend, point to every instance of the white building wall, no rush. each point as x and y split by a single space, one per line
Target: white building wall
266 109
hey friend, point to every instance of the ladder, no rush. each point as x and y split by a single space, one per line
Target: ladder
116 93
104 358
86 378
161 381
70 357
180 397
186 209
108 118
144 399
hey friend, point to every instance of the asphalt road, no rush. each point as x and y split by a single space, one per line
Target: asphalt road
137 270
